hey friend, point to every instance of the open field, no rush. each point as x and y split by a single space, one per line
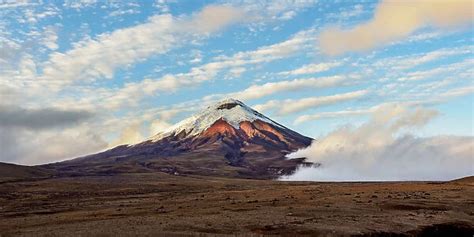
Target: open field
162 204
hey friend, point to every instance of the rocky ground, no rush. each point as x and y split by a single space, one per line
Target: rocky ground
168 205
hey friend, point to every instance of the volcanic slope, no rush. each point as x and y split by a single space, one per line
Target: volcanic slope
226 139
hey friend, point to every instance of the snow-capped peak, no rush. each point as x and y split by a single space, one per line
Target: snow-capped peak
230 110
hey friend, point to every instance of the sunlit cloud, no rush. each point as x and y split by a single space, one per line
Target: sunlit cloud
395 20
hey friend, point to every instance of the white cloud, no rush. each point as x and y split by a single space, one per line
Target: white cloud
436 71
312 68
213 17
288 15
376 151
336 114
50 38
133 92
14 4
162 6
284 107
456 92
27 67
129 135
421 75
259 91
10 50
79 4
262 12
433 98
122 12
158 126
424 36
196 56
237 71
295 44
410 61
394 20
345 15
424 84
31 147
101 57
161 120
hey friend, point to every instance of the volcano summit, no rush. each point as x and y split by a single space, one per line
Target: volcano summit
225 139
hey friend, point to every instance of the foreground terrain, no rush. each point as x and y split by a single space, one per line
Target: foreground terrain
162 204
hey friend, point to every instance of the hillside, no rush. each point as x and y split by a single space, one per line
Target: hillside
9 172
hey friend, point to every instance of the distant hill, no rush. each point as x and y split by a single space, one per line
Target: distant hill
9 172
467 179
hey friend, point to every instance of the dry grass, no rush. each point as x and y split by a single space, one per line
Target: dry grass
161 204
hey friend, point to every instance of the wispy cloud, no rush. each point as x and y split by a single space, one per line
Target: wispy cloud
312 68
259 91
335 114
411 61
101 57
133 92
284 107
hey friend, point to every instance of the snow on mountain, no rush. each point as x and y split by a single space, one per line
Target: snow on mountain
230 110
225 139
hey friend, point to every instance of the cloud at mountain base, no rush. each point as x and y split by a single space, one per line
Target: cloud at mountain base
376 150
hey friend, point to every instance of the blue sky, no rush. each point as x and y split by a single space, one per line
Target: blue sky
80 76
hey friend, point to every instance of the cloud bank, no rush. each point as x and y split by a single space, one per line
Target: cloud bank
24 146
34 136
394 20
376 151
11 116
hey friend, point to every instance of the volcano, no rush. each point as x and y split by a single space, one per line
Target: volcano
226 139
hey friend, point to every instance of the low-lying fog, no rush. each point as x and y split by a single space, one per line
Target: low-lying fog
382 150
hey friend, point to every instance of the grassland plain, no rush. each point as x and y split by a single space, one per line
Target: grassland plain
167 205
